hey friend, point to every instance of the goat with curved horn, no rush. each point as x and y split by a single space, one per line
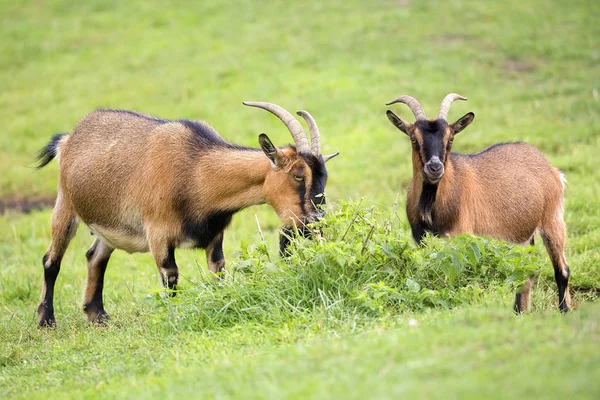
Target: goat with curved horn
447 102
508 191
412 103
288 119
188 184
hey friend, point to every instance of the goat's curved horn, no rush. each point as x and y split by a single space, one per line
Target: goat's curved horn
445 107
288 119
412 103
315 136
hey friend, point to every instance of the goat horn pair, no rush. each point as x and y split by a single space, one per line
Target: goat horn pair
315 136
294 126
417 109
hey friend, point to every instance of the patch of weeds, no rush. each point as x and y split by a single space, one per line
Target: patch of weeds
358 263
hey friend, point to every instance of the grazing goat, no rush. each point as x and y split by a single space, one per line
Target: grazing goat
142 184
507 191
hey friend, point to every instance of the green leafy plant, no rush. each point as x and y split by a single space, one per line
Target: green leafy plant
358 261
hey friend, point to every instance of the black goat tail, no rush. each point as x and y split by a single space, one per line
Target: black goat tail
49 151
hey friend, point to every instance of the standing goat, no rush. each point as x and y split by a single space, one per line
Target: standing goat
147 184
507 191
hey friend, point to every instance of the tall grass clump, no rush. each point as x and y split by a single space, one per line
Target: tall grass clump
358 262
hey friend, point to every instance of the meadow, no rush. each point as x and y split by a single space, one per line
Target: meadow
363 313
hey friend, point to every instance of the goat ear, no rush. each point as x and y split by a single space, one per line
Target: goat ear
398 122
462 122
269 148
330 156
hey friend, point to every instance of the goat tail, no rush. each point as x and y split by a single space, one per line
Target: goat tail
50 151
563 179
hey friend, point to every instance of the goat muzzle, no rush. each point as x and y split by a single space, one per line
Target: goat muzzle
434 170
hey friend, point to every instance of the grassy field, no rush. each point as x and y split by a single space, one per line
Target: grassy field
364 316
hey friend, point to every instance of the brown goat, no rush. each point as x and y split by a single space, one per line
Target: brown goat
147 184
507 191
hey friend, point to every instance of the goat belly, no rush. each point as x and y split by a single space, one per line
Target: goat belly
187 243
131 242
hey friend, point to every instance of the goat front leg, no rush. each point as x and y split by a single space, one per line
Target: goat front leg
214 255
418 232
164 256
523 297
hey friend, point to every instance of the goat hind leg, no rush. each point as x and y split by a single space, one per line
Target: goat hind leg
554 236
64 227
97 256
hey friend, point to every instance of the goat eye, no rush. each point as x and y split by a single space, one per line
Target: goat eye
415 144
298 178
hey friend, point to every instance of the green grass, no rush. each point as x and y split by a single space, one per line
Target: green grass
332 322
471 352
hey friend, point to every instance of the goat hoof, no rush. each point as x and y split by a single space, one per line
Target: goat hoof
47 322
46 317
172 291
96 314
100 318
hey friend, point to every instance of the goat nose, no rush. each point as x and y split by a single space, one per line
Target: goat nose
315 216
435 166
